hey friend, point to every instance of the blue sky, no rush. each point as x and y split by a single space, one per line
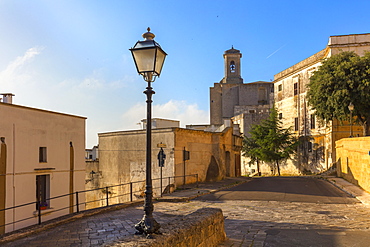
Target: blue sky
72 56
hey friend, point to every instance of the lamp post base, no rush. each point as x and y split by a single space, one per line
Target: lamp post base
147 225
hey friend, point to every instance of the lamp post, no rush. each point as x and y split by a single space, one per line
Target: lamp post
149 58
351 107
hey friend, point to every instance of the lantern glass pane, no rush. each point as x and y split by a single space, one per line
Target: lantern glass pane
144 59
161 55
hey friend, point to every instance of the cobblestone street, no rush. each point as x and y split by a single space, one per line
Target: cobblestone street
247 223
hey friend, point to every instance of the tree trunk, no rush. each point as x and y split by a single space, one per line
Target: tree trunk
278 168
366 127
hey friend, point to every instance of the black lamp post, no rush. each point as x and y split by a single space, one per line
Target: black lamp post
351 107
149 58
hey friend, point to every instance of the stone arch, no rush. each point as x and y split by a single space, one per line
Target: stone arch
232 67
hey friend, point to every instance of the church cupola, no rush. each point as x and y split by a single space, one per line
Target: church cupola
232 66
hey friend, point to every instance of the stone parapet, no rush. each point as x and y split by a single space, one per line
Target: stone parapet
353 161
202 228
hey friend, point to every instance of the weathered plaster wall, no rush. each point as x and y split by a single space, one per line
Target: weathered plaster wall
213 155
292 106
317 151
353 160
122 159
92 181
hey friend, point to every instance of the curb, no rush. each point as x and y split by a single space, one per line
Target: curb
348 191
339 187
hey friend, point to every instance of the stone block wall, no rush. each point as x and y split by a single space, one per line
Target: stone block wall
202 228
353 160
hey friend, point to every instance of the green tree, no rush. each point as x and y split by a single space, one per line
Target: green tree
270 142
340 80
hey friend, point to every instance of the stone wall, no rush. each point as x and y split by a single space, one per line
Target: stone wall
203 228
213 155
353 160
122 160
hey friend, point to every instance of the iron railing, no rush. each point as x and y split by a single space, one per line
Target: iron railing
108 198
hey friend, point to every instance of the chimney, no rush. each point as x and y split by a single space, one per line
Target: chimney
7 98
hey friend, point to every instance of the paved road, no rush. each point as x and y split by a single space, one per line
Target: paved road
287 189
296 211
276 221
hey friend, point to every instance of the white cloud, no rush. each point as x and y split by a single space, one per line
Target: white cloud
173 109
99 95
13 73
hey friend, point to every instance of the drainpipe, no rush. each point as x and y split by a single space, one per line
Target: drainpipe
2 182
71 173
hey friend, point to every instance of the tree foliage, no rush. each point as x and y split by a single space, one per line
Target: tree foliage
269 141
340 80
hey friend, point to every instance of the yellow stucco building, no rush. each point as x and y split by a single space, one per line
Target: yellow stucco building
41 156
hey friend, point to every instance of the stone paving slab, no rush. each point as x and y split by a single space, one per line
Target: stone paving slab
108 224
247 223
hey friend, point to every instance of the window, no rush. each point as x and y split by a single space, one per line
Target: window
43 191
232 66
309 147
296 124
280 115
296 88
42 154
262 96
280 87
313 126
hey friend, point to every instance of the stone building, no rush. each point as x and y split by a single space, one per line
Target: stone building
231 97
41 156
122 160
317 150
243 103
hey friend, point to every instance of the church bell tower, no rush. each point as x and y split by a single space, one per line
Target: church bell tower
232 67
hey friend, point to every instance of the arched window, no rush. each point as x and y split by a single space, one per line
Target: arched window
232 66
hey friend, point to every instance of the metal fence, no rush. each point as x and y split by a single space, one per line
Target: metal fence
122 193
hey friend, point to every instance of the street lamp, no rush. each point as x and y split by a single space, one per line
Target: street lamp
149 58
351 107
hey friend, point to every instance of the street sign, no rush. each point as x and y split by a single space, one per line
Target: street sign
186 155
161 145
161 158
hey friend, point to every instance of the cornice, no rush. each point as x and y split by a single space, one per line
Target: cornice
302 65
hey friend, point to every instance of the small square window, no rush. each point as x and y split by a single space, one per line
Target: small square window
42 154
280 115
280 87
